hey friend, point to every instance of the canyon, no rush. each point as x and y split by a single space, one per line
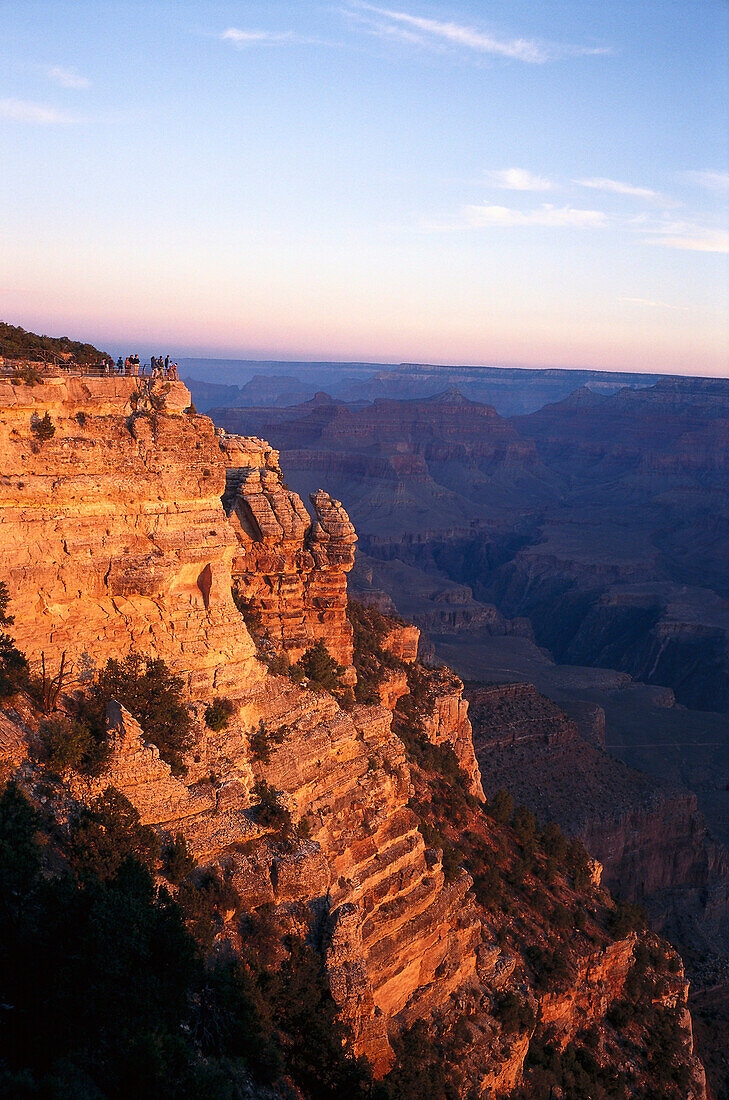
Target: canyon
609 506
592 566
136 525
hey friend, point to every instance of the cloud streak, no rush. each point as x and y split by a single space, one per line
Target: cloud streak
616 187
240 38
430 31
68 78
550 216
517 179
38 114
691 238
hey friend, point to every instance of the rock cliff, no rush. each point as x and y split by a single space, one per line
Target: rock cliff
290 570
112 533
363 827
653 843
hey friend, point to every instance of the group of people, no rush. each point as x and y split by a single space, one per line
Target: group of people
159 367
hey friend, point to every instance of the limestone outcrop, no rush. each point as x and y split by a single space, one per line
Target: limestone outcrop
112 533
291 570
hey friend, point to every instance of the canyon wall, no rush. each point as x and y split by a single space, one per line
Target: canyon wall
653 843
292 571
114 535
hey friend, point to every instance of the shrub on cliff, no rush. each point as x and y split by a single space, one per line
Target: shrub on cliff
205 898
68 742
106 994
16 343
514 1013
320 668
178 860
14 670
501 807
553 969
251 615
259 743
107 833
268 807
26 375
371 661
98 973
42 428
421 1071
627 918
451 857
278 665
219 713
148 689
524 825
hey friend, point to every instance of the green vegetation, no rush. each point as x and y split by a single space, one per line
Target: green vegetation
16 343
104 835
320 668
574 1070
269 809
251 615
261 740
178 860
107 995
279 665
26 375
14 670
627 918
69 742
501 807
371 661
452 858
148 689
42 428
514 1012
219 713
553 968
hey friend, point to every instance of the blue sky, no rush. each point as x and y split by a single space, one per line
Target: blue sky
511 182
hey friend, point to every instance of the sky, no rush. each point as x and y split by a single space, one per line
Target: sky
522 182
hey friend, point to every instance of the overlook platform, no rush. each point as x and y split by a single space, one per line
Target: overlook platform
104 395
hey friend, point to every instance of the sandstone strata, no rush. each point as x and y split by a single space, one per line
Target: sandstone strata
292 570
112 534
115 533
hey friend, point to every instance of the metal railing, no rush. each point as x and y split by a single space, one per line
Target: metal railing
17 368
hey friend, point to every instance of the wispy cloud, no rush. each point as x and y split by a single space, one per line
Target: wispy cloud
652 304
547 215
456 34
712 181
67 78
616 187
517 179
242 38
690 238
40 114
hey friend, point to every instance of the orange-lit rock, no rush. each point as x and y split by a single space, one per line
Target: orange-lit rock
291 568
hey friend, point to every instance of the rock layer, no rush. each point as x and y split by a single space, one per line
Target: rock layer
291 570
112 533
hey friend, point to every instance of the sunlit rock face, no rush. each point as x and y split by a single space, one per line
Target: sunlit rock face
127 528
292 568
112 532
